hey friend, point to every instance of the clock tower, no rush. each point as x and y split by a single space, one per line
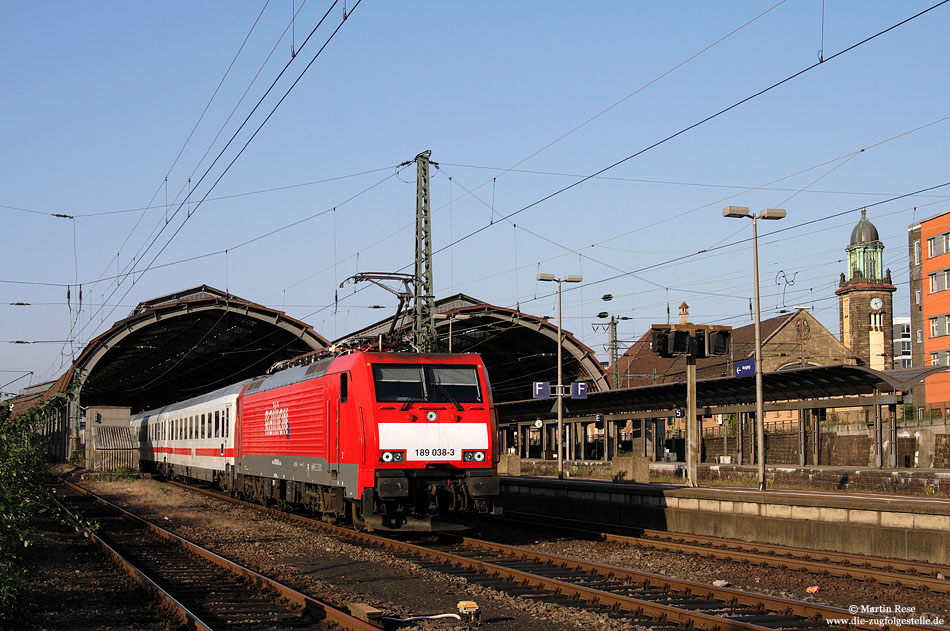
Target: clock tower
865 300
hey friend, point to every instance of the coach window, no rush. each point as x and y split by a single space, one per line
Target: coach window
343 387
217 424
204 422
227 421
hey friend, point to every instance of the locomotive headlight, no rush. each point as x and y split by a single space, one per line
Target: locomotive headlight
473 456
392 456
432 415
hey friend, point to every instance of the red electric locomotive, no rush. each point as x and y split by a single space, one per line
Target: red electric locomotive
390 440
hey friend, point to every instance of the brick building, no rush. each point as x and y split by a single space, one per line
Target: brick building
929 249
788 341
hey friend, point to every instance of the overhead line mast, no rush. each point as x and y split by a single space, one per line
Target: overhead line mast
423 315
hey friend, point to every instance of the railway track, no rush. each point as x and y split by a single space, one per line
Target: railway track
206 591
649 599
881 570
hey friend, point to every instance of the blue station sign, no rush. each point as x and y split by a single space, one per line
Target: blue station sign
745 368
541 390
579 390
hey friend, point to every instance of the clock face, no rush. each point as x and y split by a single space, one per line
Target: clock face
876 303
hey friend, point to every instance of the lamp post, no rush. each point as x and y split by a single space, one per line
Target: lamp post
560 389
738 212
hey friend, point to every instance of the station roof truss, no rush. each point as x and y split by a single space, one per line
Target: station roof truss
182 345
517 348
800 388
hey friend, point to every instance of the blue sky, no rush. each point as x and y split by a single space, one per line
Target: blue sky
99 99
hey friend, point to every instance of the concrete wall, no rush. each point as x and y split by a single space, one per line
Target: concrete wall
842 524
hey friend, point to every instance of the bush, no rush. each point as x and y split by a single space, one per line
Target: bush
20 465
23 497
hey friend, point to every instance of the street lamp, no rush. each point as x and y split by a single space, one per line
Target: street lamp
739 212
575 278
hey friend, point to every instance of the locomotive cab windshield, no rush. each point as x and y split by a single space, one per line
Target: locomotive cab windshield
426 383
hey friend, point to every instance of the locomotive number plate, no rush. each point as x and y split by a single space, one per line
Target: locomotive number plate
433 441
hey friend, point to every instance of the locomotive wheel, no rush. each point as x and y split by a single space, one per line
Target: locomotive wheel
357 516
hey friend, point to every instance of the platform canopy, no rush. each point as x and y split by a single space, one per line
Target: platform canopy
184 344
798 385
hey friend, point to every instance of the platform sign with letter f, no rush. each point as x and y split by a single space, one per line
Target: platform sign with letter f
541 390
579 390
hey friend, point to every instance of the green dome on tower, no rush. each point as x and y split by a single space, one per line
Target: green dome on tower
865 253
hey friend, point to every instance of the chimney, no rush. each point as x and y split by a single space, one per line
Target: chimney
684 313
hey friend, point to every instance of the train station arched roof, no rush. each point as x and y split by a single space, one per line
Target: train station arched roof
182 345
517 348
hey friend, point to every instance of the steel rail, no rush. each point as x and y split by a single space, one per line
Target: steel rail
919 575
317 610
633 605
187 617
639 607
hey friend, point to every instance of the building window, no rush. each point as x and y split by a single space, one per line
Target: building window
933 327
930 247
920 336
933 359
933 282
917 296
905 348
876 321
916 252
905 331
905 363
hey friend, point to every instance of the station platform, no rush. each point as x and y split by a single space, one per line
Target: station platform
895 526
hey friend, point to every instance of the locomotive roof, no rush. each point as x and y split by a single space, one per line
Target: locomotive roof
319 368
289 376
